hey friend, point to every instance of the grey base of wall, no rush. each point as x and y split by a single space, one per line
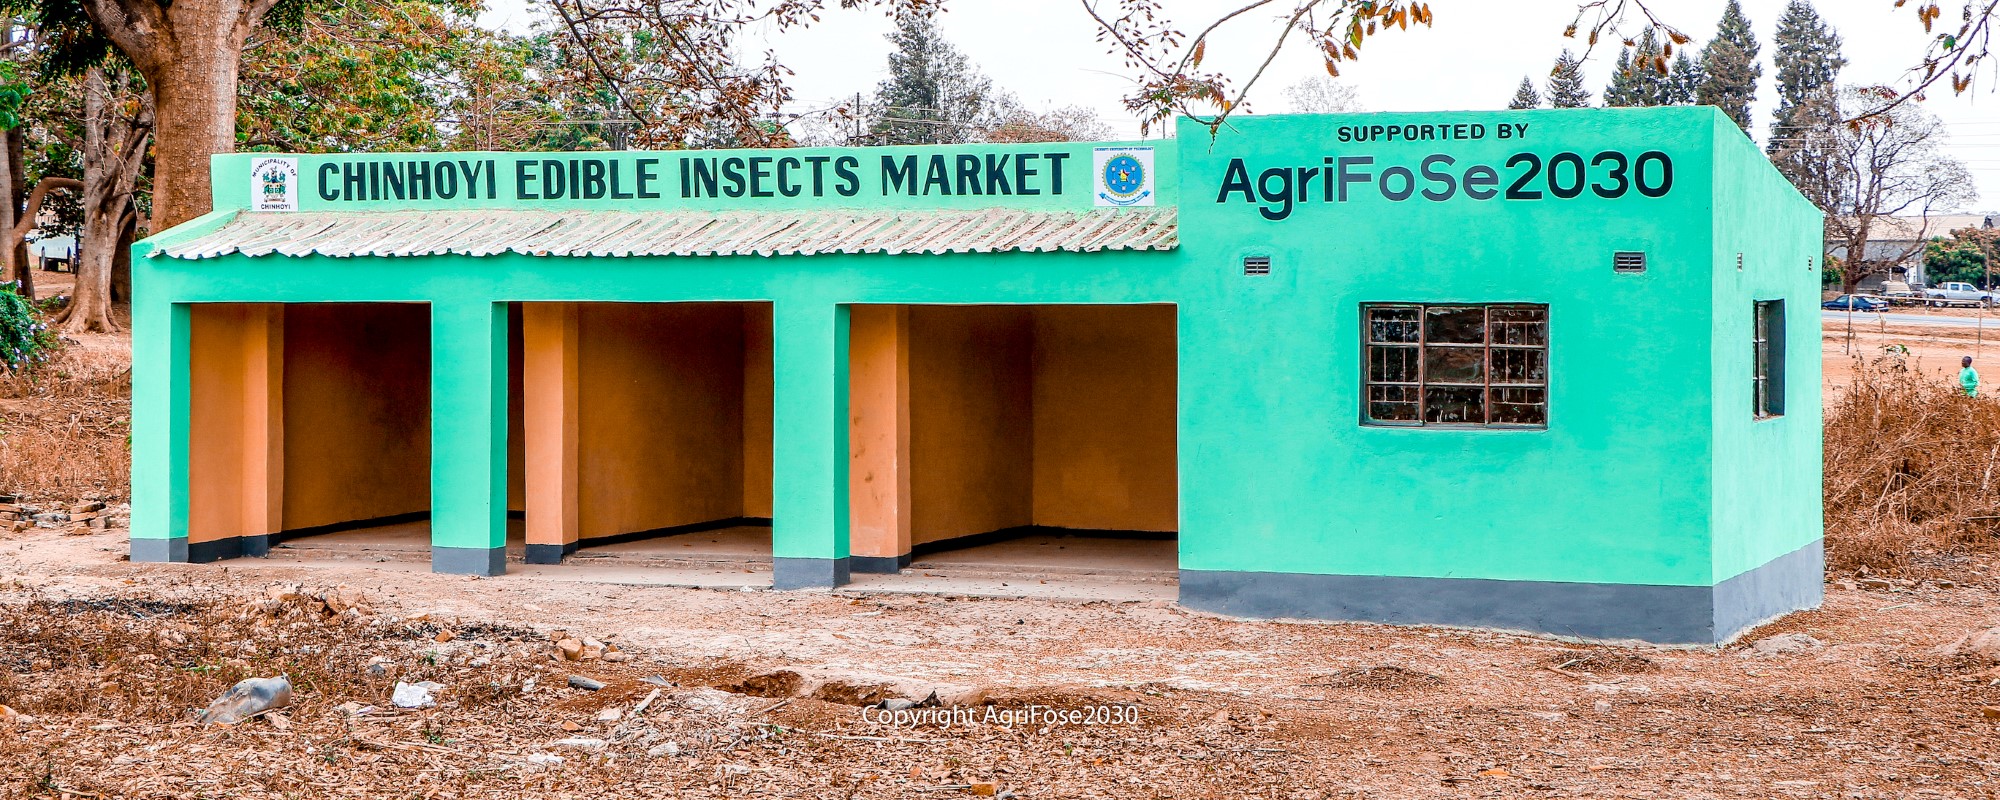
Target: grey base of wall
808 573
486 561
160 551
1661 614
878 565
548 553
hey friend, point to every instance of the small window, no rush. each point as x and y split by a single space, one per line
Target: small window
1456 365
1768 363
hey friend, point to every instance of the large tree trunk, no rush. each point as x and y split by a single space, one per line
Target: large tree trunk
190 53
113 153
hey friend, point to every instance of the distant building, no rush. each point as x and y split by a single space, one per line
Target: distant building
1895 249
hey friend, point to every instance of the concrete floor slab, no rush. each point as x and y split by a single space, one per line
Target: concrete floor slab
1059 554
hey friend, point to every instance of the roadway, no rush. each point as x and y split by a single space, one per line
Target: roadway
1839 318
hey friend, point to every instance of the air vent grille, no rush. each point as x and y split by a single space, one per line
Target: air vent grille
1628 261
1256 265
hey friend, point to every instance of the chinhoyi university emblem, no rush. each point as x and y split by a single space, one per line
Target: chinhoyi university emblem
1124 176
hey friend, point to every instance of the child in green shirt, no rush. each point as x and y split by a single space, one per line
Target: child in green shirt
1968 378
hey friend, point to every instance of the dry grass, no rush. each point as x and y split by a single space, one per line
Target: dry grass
1912 472
65 428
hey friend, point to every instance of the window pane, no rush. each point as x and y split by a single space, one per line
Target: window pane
1520 406
1520 366
1460 404
1454 365
1393 403
1393 324
1520 325
1455 325
1392 364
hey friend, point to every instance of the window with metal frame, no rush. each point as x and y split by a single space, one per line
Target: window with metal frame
1456 365
1767 365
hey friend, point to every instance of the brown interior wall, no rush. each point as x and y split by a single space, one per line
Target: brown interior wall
757 410
235 437
1104 392
660 416
517 470
357 412
971 421
878 443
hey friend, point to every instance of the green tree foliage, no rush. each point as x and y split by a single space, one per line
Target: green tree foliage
24 339
1683 80
1566 89
357 75
1808 60
1640 76
934 95
1729 67
1525 96
1962 256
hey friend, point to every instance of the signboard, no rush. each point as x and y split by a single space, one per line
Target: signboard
1124 176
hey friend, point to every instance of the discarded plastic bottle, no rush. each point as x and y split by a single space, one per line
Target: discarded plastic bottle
248 698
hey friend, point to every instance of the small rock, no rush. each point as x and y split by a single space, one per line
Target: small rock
581 743
1944 584
570 726
1876 583
1980 645
1990 712
86 508
415 695
1786 643
353 709
897 704
666 749
586 684
617 656
1601 706
571 649
545 760
983 789
612 714
248 698
445 636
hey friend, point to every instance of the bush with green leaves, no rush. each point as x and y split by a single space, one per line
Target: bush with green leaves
24 339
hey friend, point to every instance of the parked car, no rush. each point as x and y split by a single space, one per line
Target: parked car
1957 293
1899 293
1856 302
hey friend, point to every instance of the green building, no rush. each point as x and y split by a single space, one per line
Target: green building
1528 370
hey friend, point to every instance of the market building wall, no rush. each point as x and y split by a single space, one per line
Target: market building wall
1611 521
1610 500
1767 506
357 412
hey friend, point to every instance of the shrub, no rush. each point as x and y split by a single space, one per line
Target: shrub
24 339
1912 471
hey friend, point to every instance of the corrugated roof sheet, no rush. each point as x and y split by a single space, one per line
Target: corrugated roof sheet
683 233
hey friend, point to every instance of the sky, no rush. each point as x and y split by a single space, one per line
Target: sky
1472 57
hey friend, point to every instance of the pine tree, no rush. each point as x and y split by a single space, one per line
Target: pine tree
1639 78
1730 68
1566 84
1525 97
934 95
1682 81
1808 60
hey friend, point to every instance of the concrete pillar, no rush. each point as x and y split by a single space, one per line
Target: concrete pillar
809 478
549 425
160 349
236 450
469 437
879 438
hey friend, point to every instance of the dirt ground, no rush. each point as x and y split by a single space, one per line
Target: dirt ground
111 659
103 664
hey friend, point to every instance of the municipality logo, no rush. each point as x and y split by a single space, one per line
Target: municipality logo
274 184
1124 176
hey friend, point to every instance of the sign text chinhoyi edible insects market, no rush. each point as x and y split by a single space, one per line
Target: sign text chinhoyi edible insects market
745 176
